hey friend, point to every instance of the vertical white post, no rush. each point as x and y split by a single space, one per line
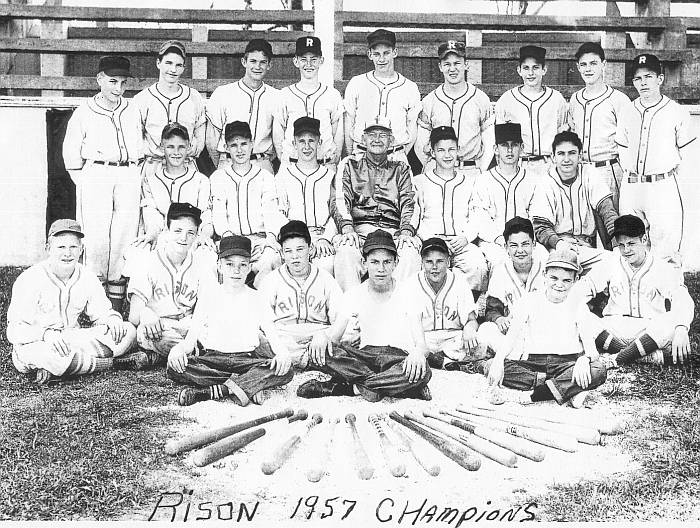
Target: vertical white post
200 33
473 37
324 24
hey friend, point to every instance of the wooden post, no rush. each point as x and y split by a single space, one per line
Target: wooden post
675 37
339 40
324 28
651 8
200 33
474 37
614 72
53 65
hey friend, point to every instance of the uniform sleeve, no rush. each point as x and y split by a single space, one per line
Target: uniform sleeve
419 203
621 131
597 279
204 198
598 190
152 218
606 210
98 308
142 107
22 312
219 211
501 110
543 212
684 134
487 117
272 217
413 108
465 301
426 111
350 99
342 195
140 285
406 198
200 122
281 193
268 290
489 229
338 107
520 316
216 116
73 141
562 115
336 300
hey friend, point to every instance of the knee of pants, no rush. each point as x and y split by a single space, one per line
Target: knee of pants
268 260
598 374
489 334
348 256
127 343
428 374
661 330
325 263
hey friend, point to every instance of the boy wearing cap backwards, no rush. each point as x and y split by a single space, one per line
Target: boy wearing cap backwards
549 347
304 190
164 288
305 299
223 353
383 92
540 110
244 201
462 106
370 192
168 101
636 320
47 300
102 146
654 136
391 360
249 100
447 207
309 98
563 206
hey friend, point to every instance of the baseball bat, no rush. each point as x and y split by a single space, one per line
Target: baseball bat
585 435
301 414
225 447
318 469
481 446
448 447
516 445
546 438
421 455
389 449
285 451
363 466
174 447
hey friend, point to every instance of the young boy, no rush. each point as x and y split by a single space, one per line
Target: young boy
549 348
223 352
448 208
304 190
309 98
244 201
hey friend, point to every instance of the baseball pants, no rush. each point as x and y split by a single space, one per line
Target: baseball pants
86 345
174 331
451 344
297 338
245 374
539 168
490 335
661 328
587 256
472 263
326 263
612 175
348 260
107 207
262 262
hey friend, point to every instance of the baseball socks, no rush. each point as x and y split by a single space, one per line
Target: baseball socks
637 349
608 343
116 293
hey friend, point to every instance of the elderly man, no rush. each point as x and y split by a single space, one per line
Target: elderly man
48 299
373 192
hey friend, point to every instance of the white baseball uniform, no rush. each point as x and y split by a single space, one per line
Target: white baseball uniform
101 149
651 140
41 301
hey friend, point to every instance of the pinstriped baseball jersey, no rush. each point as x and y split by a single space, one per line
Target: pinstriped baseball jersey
318 300
157 110
168 290
654 135
570 207
595 122
95 133
246 204
158 191
506 286
540 120
325 104
236 102
444 207
303 196
366 97
449 308
469 114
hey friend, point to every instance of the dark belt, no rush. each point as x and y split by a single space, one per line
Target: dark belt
610 162
533 158
649 178
466 163
114 163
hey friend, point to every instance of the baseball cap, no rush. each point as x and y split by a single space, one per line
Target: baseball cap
379 239
629 225
308 45
563 258
234 245
440 133
518 224
259 45
505 132
115 65
378 122
648 61
174 128
307 124
237 129
590 47
180 209
381 36
533 52
294 229
66 225
434 244
452 46
172 45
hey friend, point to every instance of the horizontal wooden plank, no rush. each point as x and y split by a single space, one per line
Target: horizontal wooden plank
191 16
435 37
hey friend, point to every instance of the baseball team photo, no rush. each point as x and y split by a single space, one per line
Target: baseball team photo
328 262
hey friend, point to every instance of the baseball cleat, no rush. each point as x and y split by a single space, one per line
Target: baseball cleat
43 376
190 395
320 389
139 360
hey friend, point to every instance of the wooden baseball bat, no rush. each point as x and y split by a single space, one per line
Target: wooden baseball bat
363 466
389 450
546 438
481 446
225 447
319 466
174 447
516 445
285 451
422 456
582 434
451 449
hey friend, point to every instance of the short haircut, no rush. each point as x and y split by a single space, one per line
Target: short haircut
518 224
567 137
590 47
169 219
174 130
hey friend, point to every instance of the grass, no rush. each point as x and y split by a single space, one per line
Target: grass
92 448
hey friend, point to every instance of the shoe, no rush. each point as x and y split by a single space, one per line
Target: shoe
468 366
609 361
422 393
190 395
43 376
139 360
655 358
320 389
259 397
369 395
579 400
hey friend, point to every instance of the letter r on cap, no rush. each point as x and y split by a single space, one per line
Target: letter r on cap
642 60
309 42
451 44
